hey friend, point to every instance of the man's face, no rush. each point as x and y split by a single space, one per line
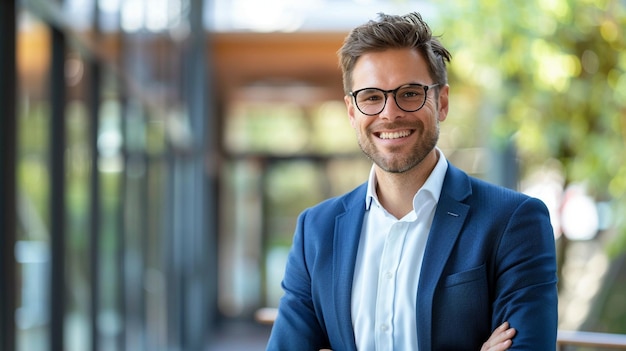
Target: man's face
394 139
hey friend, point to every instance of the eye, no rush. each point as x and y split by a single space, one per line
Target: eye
411 93
370 96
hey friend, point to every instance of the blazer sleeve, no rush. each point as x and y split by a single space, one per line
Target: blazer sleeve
525 286
297 326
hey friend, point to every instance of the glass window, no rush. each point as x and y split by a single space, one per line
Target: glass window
32 249
266 127
286 153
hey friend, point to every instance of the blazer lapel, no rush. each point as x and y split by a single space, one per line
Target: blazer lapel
449 217
346 244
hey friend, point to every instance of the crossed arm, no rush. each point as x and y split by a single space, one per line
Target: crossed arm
500 339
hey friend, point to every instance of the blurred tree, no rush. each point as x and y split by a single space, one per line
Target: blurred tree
550 75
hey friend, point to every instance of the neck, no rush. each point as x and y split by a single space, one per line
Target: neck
396 190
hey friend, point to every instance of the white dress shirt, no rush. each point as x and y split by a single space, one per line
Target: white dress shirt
388 264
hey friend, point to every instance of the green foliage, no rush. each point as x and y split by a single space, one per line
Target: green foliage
553 73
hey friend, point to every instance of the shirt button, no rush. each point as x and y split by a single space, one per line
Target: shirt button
384 327
388 275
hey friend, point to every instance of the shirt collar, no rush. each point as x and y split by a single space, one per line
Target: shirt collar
433 184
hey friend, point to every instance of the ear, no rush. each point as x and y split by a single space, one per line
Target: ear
350 106
443 102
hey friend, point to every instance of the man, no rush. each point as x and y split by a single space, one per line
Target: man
422 256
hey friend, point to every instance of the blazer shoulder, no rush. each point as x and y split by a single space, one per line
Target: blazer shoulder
475 190
483 186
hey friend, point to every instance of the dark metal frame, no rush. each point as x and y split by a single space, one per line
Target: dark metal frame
57 190
94 71
8 149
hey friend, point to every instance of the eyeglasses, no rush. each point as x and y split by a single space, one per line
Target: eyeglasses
409 98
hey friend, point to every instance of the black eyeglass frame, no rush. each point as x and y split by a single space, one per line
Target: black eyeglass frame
394 92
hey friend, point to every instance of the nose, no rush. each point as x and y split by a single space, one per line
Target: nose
391 111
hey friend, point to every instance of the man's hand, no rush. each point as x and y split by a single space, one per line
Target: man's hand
500 339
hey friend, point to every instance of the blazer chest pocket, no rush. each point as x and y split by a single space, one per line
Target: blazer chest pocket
465 276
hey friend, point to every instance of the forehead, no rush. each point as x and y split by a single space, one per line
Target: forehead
389 69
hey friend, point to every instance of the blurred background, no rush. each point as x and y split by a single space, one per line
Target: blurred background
154 154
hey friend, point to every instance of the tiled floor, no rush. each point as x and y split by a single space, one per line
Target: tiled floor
240 337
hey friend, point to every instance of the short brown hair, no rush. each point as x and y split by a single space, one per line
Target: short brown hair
394 32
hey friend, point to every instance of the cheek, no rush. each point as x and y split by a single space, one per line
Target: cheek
360 126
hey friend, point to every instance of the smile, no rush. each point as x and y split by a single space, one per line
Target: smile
395 135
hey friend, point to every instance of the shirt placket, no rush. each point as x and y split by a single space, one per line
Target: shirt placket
387 286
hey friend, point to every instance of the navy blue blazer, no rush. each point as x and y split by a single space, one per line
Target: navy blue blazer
490 257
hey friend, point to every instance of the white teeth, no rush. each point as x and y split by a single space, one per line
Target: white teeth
394 135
